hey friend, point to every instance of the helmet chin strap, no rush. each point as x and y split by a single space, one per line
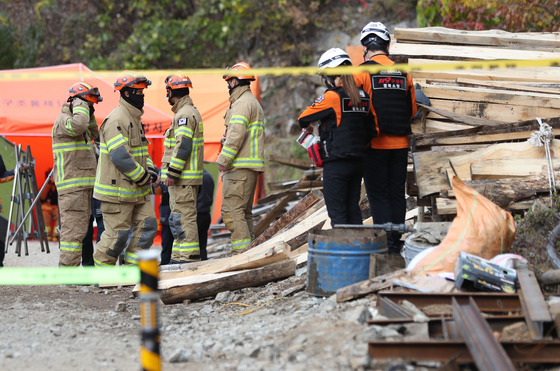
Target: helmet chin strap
329 83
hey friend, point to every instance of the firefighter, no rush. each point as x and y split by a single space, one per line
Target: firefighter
241 158
124 178
182 166
394 104
346 127
74 168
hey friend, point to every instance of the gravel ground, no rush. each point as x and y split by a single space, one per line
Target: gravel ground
273 327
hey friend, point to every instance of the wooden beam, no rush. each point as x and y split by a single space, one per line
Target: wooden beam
529 86
547 75
208 285
294 213
266 253
493 111
496 38
487 95
278 209
369 286
294 162
466 52
508 168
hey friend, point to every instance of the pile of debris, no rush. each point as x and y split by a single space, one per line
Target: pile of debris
477 127
480 118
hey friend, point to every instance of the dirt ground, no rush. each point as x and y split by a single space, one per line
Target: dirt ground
274 327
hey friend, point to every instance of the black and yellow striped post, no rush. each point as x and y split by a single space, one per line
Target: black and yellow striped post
149 315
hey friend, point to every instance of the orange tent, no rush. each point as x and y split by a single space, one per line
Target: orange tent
30 101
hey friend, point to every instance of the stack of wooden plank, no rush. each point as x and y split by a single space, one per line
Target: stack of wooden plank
275 254
479 119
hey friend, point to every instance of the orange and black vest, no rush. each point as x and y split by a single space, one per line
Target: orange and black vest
345 130
391 102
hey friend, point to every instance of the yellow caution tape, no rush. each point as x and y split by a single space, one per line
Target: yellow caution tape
69 275
279 71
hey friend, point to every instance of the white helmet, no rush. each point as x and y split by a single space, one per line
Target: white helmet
375 36
333 57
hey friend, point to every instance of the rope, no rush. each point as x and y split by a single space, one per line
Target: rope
543 137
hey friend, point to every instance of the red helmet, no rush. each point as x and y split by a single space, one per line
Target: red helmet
241 66
128 81
178 81
85 91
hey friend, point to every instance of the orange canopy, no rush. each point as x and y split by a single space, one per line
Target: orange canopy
30 102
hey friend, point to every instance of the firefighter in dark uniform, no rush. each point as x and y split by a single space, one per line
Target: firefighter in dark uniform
347 126
394 105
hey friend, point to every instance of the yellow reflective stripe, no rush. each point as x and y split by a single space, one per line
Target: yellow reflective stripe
115 142
80 109
69 127
136 173
70 246
248 161
122 192
99 264
75 182
239 119
240 244
228 152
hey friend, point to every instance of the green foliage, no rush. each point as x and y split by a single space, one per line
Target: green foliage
145 34
7 46
508 15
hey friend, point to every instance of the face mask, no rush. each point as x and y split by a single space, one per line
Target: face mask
135 100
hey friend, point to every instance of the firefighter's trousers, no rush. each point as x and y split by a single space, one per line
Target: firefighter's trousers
74 209
182 221
118 218
238 190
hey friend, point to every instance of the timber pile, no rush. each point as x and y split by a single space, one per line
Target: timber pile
479 119
280 247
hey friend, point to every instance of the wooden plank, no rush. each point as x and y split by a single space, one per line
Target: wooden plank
290 161
546 75
208 285
529 87
278 209
295 212
368 286
507 168
492 111
487 95
465 52
436 126
430 170
462 164
496 38
478 138
462 118
266 253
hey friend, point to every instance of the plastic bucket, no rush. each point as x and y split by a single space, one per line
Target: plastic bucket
413 245
340 257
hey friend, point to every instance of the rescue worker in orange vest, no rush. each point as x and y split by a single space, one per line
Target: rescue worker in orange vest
74 168
394 105
182 166
124 178
346 127
241 158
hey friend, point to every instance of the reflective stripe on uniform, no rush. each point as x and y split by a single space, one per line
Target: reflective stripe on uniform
122 192
240 244
185 246
70 246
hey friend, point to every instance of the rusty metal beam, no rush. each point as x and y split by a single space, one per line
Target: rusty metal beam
487 351
544 351
486 301
390 309
436 325
534 306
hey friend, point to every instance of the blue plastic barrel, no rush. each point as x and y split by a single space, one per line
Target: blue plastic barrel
339 257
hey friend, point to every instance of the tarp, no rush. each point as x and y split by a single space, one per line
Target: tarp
30 101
